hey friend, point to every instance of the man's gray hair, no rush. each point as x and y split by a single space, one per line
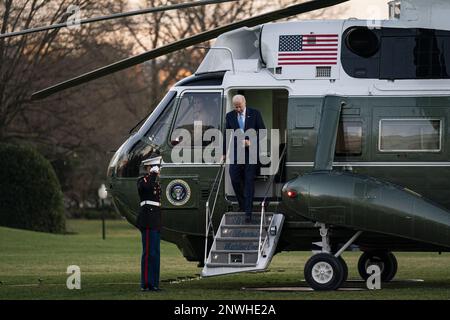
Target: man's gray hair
239 97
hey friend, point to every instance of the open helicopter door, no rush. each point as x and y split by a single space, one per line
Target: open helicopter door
273 106
241 246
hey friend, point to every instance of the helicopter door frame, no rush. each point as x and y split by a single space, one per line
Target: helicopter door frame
228 107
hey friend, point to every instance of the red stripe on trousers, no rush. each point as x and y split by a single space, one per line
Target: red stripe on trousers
147 234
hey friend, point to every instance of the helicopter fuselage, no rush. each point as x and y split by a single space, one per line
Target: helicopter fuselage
392 85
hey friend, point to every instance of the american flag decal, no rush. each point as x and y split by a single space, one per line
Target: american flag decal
311 49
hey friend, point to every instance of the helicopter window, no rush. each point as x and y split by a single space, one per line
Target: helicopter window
406 135
349 138
202 107
208 79
141 146
158 132
396 53
156 113
362 42
424 56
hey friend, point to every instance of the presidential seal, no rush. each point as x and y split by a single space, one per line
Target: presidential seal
178 192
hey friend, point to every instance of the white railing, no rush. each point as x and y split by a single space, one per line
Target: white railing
210 212
263 210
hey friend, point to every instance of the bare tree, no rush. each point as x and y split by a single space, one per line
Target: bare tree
75 129
151 31
67 126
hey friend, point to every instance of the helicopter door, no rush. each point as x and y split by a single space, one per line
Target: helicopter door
273 106
186 179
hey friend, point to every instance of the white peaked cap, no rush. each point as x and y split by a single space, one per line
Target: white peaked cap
152 161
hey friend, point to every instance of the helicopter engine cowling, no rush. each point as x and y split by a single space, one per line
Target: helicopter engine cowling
368 204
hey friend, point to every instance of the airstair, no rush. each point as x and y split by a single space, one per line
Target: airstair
240 246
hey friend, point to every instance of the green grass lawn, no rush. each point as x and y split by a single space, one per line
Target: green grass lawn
33 266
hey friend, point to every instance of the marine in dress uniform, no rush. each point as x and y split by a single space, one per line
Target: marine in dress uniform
149 223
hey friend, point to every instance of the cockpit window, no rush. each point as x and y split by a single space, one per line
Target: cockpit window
158 132
162 106
151 141
127 162
202 109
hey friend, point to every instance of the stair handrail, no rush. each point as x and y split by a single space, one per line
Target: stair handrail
265 243
263 206
210 212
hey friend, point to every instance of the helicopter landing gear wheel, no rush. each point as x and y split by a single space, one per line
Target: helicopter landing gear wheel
383 259
324 271
344 268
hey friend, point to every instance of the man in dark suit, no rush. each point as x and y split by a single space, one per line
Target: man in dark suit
243 173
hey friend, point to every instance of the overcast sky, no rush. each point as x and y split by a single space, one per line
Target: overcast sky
361 9
367 9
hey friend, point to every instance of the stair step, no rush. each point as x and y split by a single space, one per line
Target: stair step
249 226
237 231
237 244
235 239
221 265
233 251
238 218
234 257
255 213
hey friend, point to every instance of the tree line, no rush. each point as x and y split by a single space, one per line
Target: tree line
79 129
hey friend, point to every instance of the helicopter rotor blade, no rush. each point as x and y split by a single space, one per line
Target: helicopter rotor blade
116 16
196 39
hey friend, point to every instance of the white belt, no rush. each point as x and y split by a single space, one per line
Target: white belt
152 203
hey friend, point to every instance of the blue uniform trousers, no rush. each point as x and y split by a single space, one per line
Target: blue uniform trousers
243 181
150 262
